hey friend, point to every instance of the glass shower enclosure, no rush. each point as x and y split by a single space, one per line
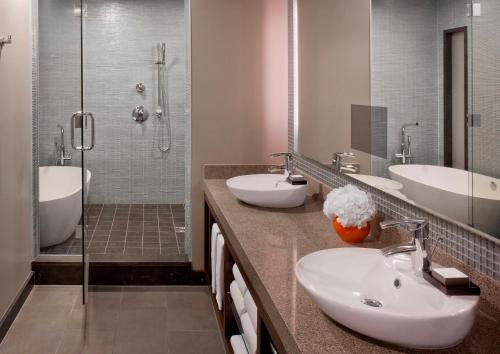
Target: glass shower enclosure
110 130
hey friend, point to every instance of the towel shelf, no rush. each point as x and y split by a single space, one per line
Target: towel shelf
228 319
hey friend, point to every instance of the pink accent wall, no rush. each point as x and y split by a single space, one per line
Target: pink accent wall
239 90
274 76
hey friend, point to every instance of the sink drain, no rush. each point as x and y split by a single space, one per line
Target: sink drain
372 302
397 283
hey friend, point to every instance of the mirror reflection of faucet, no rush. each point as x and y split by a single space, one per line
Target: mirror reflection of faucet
405 155
342 167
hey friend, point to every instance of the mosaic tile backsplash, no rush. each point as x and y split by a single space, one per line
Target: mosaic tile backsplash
468 246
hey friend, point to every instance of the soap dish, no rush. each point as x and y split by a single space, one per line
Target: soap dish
453 290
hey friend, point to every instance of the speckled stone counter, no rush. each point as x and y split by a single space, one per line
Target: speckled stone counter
269 242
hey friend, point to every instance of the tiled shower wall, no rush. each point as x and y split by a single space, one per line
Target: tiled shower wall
466 244
486 88
119 51
403 77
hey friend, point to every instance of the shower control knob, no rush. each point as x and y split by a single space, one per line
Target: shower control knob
140 87
140 114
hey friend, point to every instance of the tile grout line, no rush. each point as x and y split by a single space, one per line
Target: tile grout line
95 227
111 228
175 230
126 230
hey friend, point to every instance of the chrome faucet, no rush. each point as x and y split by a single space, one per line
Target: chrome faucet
341 167
405 155
287 167
420 229
62 157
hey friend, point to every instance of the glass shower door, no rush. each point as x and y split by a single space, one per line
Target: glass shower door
82 129
83 140
63 133
484 119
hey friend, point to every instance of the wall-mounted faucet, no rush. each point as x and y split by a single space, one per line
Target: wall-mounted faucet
61 149
4 41
287 167
405 155
342 167
420 229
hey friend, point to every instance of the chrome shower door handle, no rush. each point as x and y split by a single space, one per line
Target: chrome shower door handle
77 119
92 136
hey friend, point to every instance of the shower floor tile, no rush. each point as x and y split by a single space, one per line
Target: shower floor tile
142 231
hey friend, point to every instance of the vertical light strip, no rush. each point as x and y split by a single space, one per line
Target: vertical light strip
295 50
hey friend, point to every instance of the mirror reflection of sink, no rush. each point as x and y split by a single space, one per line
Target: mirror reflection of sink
378 182
383 298
267 190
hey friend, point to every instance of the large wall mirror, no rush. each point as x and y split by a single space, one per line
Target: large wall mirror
412 89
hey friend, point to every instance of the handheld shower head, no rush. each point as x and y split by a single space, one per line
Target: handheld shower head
163 50
160 53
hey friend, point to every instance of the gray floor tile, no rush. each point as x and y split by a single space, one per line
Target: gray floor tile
108 300
141 330
194 342
35 341
118 320
138 298
87 342
190 310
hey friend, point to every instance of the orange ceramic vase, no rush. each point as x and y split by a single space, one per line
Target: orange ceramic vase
350 234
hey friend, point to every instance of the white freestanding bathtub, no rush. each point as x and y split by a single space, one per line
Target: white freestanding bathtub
60 200
468 197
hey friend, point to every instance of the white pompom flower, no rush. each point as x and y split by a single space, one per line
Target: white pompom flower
351 205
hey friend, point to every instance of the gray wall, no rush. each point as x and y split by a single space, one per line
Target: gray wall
16 236
119 41
486 88
404 76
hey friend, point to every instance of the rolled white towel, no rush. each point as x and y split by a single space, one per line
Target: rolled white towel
251 308
239 279
213 253
238 345
249 334
219 277
238 300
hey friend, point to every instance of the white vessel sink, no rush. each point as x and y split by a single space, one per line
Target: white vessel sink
358 288
267 190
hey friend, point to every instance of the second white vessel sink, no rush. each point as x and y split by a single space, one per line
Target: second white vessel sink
267 190
382 297
377 182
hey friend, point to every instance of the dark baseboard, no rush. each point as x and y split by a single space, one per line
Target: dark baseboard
12 312
57 273
118 273
140 274
199 278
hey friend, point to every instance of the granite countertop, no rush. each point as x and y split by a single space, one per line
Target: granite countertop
269 242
